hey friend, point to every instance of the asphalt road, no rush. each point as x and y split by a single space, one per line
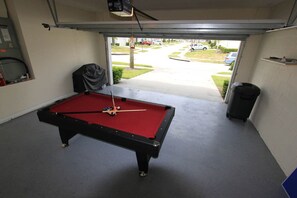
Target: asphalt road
190 79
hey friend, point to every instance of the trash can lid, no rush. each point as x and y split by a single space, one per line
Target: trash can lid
246 89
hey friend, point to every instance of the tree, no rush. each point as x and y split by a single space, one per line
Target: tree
212 44
113 39
132 47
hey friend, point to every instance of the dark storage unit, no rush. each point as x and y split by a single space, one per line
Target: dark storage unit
242 100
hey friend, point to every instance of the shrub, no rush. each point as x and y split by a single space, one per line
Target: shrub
227 50
117 73
231 66
212 44
225 87
115 44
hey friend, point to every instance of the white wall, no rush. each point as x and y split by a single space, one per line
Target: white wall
275 114
282 10
53 56
248 58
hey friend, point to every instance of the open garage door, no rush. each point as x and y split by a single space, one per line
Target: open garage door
177 29
197 29
175 66
194 29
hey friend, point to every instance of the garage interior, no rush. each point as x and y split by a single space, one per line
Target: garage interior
204 154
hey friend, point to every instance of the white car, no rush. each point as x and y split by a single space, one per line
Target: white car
198 46
157 42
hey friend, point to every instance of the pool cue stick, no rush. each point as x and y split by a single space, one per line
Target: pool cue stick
112 99
122 111
79 112
131 110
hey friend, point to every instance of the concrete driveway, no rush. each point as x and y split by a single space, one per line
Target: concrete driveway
190 79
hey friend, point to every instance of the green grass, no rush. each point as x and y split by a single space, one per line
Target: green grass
120 49
174 55
139 46
127 64
219 81
210 56
225 73
171 43
131 73
156 47
126 49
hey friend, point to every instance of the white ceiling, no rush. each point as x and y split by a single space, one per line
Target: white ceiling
174 29
101 5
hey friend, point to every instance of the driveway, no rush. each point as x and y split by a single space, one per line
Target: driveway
190 79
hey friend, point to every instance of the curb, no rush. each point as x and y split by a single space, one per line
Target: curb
179 59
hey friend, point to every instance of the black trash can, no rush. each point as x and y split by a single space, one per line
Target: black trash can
242 99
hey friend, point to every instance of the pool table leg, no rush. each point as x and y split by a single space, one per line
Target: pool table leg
143 163
65 136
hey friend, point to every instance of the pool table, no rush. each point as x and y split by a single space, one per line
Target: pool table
141 131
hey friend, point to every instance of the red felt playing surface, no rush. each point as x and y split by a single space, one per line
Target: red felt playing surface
143 123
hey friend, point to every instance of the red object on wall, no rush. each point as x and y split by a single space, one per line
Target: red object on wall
2 80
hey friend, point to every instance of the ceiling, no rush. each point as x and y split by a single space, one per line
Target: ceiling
101 5
207 29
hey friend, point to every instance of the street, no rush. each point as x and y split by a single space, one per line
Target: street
190 79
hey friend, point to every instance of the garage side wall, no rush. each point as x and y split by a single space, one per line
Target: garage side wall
275 114
53 56
248 57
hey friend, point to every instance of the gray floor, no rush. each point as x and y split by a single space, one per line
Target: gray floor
204 155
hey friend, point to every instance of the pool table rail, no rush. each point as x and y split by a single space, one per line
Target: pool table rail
117 137
144 147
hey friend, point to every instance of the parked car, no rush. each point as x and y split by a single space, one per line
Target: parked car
230 58
146 42
157 42
198 46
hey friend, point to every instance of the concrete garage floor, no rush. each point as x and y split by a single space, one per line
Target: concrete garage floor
204 155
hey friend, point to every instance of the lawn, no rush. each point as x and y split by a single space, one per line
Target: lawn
174 55
157 47
226 73
120 49
210 56
131 73
139 46
126 49
219 81
127 64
